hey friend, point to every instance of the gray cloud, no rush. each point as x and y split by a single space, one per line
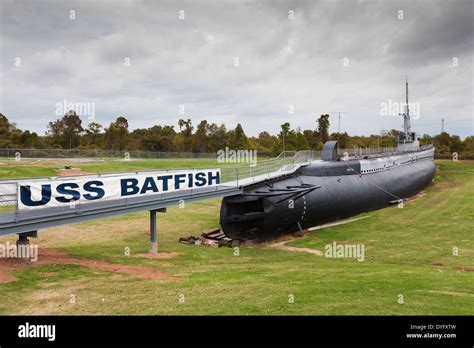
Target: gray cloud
282 62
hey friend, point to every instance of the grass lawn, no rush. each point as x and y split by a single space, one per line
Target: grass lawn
408 252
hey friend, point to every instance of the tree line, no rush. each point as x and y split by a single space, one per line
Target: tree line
69 132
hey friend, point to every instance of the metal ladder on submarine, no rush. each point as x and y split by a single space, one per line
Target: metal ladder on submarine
328 189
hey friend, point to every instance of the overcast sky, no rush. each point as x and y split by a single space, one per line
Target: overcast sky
309 57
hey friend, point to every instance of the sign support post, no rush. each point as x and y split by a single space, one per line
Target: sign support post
153 232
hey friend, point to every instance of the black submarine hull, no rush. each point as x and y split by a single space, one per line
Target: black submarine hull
322 192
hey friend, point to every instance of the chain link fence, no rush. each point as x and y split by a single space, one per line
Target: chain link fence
79 155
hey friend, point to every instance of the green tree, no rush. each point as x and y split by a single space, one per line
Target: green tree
186 128
217 137
6 129
66 132
300 142
312 137
323 127
266 142
288 139
343 140
201 138
468 152
426 139
237 139
94 135
158 138
117 135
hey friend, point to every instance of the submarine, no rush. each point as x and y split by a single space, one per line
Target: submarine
333 187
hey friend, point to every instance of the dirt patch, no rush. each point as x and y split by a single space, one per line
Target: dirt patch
156 256
449 184
6 265
464 269
437 264
55 257
88 233
416 197
72 172
453 293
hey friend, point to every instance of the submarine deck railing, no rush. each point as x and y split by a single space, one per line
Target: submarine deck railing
360 152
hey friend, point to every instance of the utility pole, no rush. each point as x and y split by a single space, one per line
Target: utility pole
442 125
338 120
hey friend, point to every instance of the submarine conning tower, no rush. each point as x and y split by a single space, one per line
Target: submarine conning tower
329 152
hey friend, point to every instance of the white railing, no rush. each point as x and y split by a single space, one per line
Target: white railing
377 151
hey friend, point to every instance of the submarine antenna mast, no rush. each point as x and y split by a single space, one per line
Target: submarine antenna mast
338 120
406 115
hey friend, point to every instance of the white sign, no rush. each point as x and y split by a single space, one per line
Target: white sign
69 191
